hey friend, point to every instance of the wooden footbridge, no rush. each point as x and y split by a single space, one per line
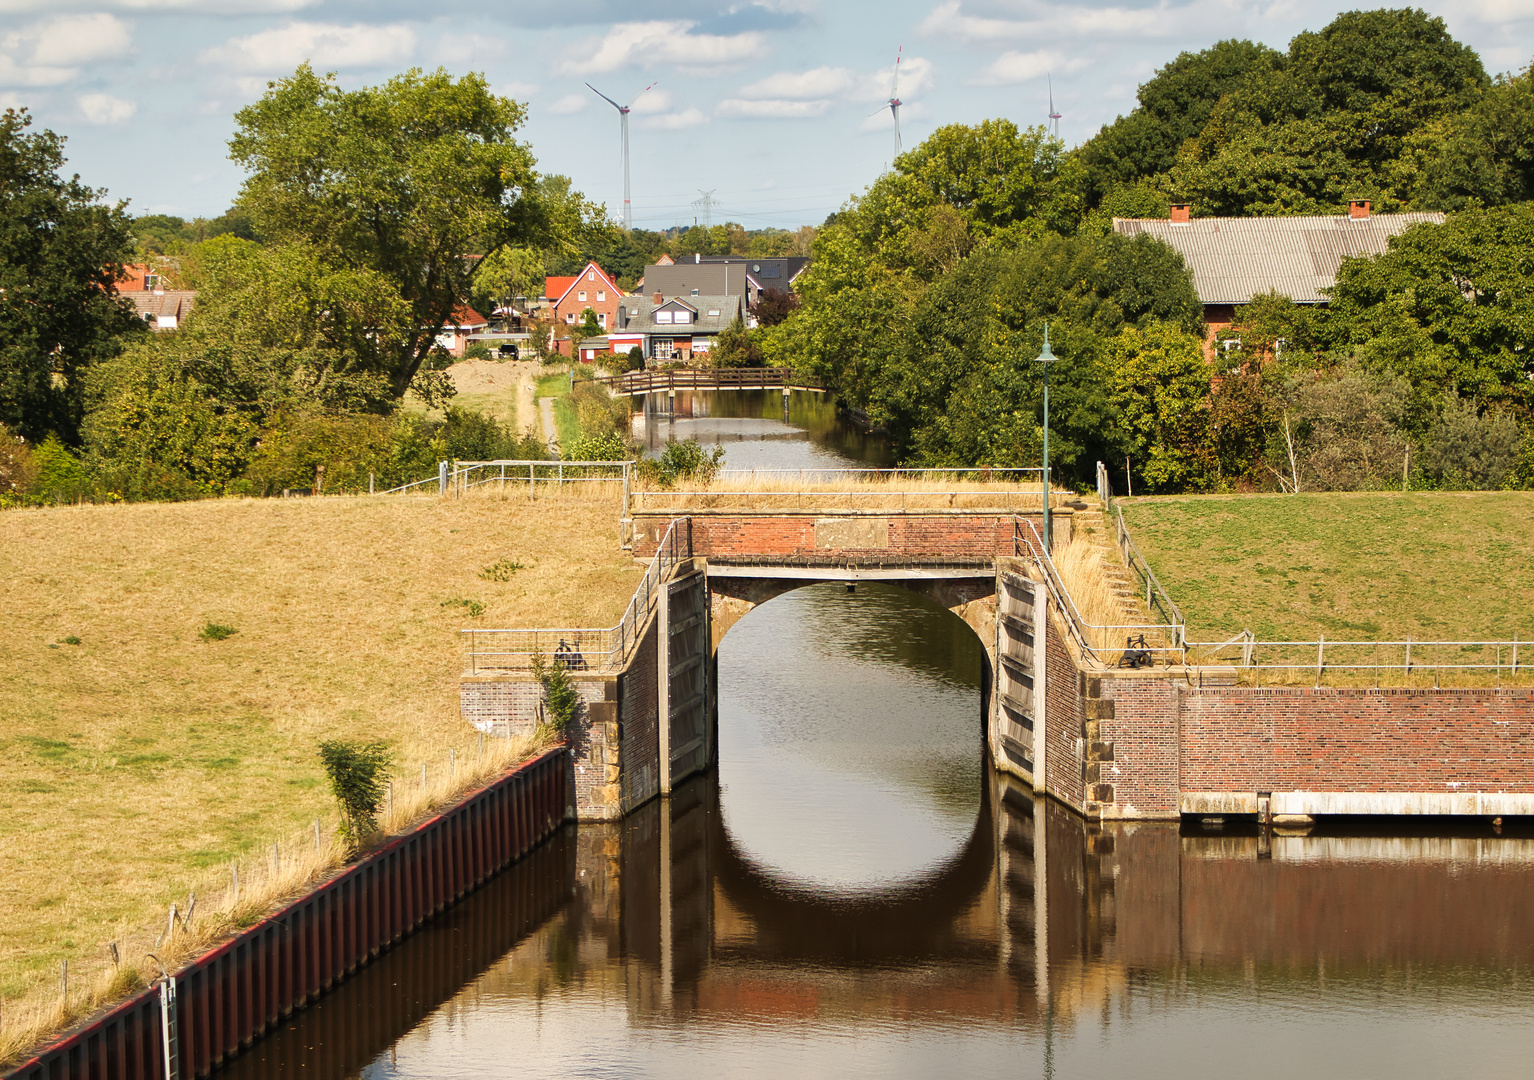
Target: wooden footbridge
669 381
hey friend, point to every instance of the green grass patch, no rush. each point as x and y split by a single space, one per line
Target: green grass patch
1350 566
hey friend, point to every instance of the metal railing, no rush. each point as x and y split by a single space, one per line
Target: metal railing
653 380
585 648
1155 596
1406 657
459 477
1163 641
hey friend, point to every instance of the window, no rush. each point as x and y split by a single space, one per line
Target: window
602 319
601 295
683 317
569 318
714 313
695 292
581 296
663 316
591 275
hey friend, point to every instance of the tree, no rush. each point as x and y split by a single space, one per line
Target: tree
735 348
358 772
773 305
61 255
402 180
1161 394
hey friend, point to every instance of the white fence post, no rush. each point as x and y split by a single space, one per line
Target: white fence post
441 478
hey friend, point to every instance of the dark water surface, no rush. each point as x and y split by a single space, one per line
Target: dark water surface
853 892
758 433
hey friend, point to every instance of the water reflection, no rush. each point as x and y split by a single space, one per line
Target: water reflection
850 735
760 429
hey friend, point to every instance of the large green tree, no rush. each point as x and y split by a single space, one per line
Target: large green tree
403 180
61 255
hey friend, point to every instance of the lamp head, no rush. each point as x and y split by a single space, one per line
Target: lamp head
1045 356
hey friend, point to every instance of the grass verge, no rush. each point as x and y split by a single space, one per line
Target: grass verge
143 759
1360 567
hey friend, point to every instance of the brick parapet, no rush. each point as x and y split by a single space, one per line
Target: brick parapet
795 534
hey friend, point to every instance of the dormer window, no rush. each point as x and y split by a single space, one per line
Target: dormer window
683 317
663 316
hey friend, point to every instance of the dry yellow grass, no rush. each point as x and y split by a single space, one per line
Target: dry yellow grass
141 761
1081 568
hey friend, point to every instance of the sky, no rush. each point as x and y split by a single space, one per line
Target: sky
772 107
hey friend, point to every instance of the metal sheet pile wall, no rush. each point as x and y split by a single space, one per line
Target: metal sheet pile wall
233 995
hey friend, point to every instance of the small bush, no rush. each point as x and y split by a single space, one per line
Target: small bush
357 771
216 632
473 608
71 640
18 472
560 696
606 447
477 351
682 461
501 570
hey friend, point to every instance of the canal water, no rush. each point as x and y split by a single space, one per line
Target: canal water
854 892
761 429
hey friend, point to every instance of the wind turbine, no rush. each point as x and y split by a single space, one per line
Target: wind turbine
1054 117
893 104
623 118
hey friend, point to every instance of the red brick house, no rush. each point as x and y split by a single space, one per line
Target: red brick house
454 336
569 297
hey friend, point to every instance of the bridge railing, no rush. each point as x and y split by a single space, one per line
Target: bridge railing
584 648
1002 491
460 477
657 380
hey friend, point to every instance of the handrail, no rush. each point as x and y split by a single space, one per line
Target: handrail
767 378
457 477
593 649
1132 556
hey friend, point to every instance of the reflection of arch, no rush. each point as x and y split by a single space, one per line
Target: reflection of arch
913 918
972 599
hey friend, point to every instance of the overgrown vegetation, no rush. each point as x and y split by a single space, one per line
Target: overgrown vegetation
561 698
684 460
358 772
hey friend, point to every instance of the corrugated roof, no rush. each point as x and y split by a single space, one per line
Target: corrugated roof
1234 259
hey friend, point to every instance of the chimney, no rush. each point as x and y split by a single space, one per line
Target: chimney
1358 209
659 299
1180 213
697 257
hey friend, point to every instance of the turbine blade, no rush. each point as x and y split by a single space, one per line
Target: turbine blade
881 108
1051 81
895 82
604 97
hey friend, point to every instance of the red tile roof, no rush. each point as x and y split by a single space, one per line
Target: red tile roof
555 287
467 318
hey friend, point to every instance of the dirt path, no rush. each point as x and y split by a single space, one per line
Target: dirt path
550 433
503 390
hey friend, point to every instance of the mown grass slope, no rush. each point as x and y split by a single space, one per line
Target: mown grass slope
1362 567
145 755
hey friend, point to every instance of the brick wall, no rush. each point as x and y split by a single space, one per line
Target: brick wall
1305 739
1132 768
638 722
795 534
1064 720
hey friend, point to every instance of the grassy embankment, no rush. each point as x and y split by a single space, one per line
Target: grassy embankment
138 764
567 424
1359 567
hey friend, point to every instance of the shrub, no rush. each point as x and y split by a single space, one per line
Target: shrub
682 461
606 447
216 632
477 351
1466 450
18 470
60 476
358 772
559 694
597 411
473 608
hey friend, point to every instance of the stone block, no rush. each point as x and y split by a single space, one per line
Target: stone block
1098 709
1101 751
1102 793
853 533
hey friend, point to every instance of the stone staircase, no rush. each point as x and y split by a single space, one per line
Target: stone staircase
1094 526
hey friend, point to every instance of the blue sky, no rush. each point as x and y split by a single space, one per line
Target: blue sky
766 103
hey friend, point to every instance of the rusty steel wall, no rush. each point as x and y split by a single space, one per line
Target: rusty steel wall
233 995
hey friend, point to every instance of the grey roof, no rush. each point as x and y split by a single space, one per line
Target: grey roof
634 314
710 279
177 302
774 270
1234 259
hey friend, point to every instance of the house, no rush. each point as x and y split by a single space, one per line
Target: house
161 308
455 333
723 275
569 297
1234 259
672 329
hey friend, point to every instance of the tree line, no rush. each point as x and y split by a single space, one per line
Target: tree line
926 302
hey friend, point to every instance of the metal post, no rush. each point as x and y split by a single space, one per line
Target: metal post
170 1041
370 483
1320 657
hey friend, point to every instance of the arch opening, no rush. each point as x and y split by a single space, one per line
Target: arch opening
851 741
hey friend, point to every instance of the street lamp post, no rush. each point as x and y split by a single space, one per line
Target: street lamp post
1046 358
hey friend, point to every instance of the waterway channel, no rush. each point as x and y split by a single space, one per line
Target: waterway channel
760 429
852 891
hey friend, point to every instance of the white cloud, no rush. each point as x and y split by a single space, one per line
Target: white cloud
819 82
464 49
1500 11
1066 22
197 7
1017 67
688 118
515 89
916 74
569 105
49 53
771 108
651 100
660 43
325 45
105 109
